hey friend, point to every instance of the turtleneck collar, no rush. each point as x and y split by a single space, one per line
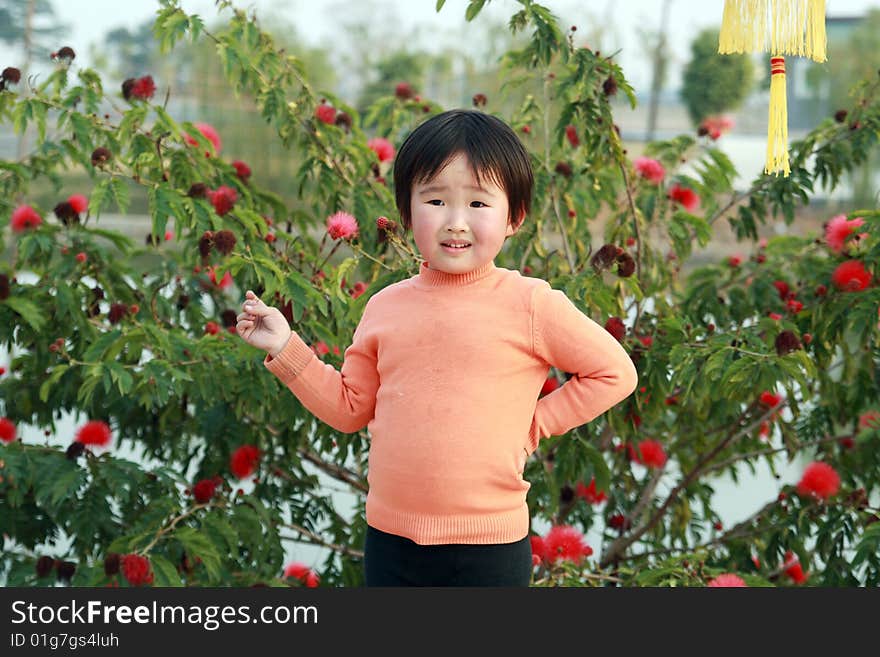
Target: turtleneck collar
434 278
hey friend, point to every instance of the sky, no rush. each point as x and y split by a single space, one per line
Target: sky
617 24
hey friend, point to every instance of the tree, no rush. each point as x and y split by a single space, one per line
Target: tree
740 361
714 83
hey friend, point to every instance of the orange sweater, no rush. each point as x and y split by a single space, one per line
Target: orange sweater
445 371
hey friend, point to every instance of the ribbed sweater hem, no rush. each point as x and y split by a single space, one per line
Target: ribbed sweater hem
482 529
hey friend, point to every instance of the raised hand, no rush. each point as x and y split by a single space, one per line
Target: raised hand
262 326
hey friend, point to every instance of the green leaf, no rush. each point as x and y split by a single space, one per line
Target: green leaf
440 4
57 373
164 572
600 468
473 9
28 311
198 545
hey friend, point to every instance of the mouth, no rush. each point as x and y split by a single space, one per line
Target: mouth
455 245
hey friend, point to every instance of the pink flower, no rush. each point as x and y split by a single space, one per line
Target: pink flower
819 480
727 579
565 543
382 147
342 225
650 169
23 218
839 228
209 133
851 276
94 432
685 196
715 126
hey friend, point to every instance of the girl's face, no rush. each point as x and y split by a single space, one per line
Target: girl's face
454 208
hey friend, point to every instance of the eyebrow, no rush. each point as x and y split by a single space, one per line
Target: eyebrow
443 188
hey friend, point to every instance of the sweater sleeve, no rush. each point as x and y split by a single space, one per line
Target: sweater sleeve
603 372
345 399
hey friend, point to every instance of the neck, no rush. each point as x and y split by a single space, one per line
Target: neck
435 278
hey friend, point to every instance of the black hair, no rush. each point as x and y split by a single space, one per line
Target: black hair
491 146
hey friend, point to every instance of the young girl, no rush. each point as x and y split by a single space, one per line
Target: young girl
445 368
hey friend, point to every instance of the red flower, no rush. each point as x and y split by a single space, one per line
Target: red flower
551 384
325 113
652 454
650 169
617 521
7 430
774 316
303 573
321 348
143 88
792 568
78 202
685 196
383 148
727 579
225 282
782 288
24 217
565 543
734 261
403 90
572 136
94 432
869 420
244 461
851 276
770 399
342 225
242 170
539 550
616 327
589 493
209 133
358 289
794 306
819 480
223 199
212 327
204 490
839 228
136 569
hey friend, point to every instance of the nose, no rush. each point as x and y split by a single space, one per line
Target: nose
456 223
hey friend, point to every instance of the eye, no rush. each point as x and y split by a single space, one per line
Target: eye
479 204
435 201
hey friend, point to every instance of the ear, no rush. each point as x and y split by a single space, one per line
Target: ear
514 226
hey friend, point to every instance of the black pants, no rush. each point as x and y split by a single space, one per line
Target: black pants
391 560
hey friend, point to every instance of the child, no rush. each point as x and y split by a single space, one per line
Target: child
445 368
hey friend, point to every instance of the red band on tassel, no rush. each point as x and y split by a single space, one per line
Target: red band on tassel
777 65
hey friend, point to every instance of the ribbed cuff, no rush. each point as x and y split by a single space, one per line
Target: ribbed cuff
291 360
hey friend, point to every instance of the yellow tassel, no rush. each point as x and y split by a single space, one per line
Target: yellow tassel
784 27
777 125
